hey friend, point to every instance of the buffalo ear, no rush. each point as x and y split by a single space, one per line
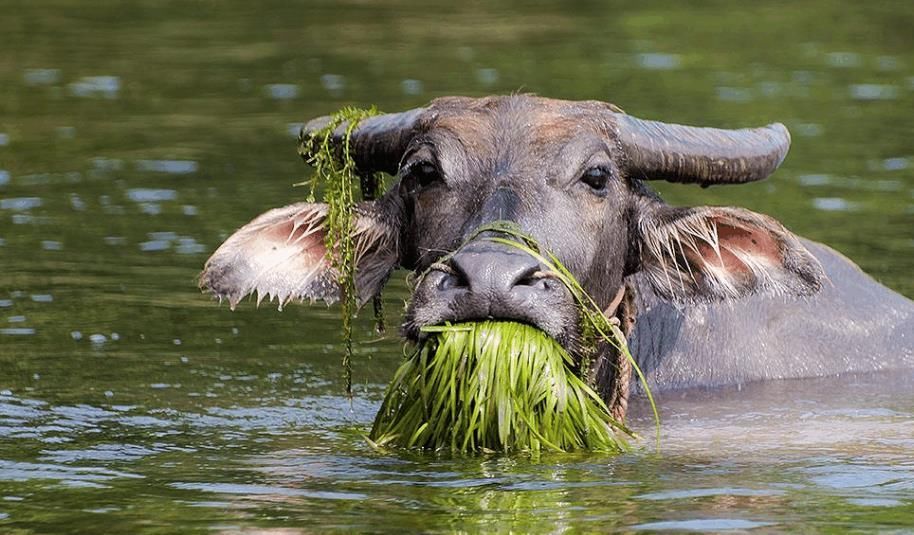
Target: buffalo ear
716 253
282 254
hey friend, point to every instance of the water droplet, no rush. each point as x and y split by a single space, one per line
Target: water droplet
6 303
733 94
895 164
115 240
20 204
333 84
41 76
189 210
65 132
115 337
155 245
172 167
151 195
77 203
412 87
42 298
808 129
51 245
4 139
150 208
770 89
176 342
873 92
487 77
107 164
4 177
109 394
832 204
815 180
803 78
17 331
658 62
16 319
888 63
76 335
294 129
162 235
96 86
282 91
98 339
842 60
189 246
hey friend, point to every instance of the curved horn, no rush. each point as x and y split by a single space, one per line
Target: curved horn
377 144
691 154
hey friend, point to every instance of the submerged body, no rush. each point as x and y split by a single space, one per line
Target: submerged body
852 324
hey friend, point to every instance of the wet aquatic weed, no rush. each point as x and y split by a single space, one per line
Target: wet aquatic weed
335 169
499 386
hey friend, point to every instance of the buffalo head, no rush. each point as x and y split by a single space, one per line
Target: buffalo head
569 174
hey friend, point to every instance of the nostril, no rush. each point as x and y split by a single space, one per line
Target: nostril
536 278
532 276
449 282
450 278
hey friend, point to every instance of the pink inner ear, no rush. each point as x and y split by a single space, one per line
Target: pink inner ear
756 242
309 241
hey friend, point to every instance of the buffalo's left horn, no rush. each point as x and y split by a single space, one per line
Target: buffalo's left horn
377 143
691 154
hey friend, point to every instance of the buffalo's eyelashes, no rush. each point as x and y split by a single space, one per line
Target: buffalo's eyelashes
597 179
421 174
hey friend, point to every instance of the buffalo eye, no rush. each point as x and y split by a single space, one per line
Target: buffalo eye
597 179
421 174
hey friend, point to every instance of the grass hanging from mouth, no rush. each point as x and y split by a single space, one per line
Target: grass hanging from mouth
335 168
493 386
591 315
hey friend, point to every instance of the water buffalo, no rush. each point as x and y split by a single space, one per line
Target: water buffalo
708 295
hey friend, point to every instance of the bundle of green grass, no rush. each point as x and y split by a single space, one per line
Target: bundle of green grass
493 386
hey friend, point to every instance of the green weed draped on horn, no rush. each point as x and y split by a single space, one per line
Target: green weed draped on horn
334 168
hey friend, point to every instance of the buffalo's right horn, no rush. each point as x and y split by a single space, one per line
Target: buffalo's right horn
376 144
691 154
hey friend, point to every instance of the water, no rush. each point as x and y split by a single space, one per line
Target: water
130 403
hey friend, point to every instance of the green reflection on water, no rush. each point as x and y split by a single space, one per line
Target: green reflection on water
150 130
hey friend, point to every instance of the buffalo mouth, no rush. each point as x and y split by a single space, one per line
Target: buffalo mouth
547 306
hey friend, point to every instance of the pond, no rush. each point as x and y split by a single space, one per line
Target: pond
136 135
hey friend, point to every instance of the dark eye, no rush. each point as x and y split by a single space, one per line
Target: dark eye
597 178
422 174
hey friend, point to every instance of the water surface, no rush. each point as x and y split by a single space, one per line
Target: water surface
135 136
